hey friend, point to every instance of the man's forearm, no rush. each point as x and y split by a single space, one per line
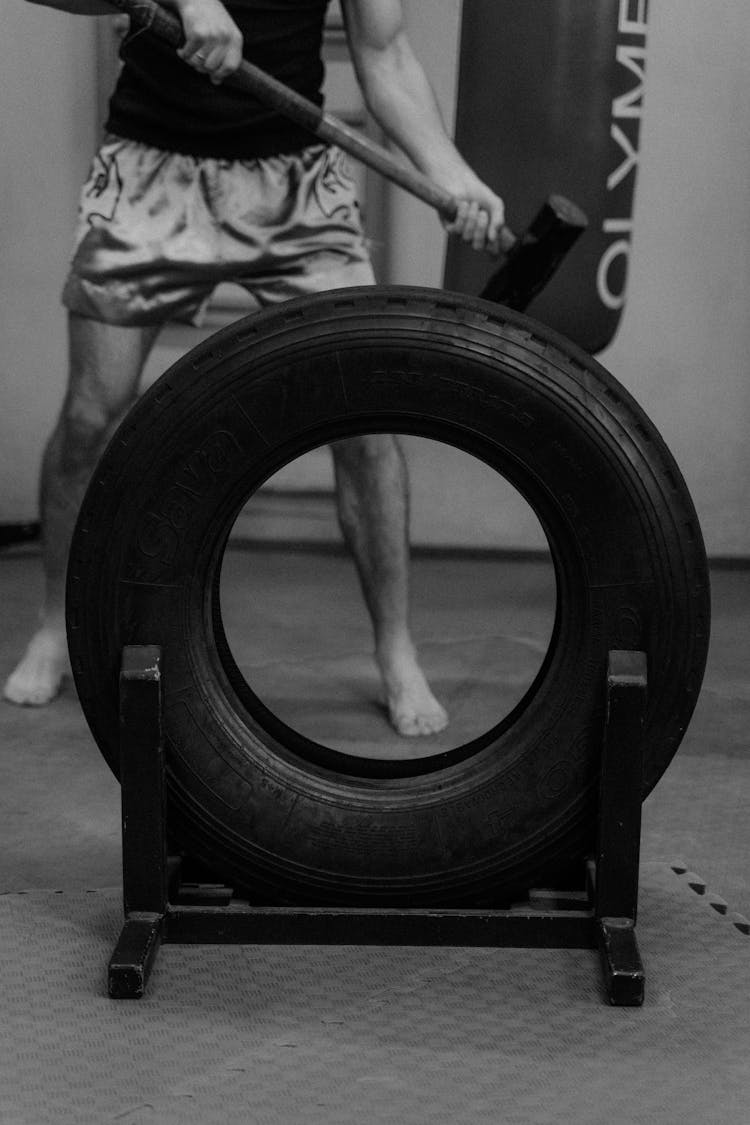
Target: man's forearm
79 7
401 99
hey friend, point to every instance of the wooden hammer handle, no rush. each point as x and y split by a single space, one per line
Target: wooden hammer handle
149 15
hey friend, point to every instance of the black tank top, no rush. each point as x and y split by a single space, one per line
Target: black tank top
163 102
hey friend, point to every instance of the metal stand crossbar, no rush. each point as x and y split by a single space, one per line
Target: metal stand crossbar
160 906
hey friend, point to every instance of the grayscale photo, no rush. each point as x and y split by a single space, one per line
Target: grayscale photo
374 562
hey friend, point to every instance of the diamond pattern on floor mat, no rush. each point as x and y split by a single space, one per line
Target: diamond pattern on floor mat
264 1035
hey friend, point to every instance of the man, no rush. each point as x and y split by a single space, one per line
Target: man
195 185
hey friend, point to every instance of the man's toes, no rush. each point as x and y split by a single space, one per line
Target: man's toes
433 721
413 722
32 690
405 724
39 676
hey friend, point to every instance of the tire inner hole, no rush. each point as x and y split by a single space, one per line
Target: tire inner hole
482 598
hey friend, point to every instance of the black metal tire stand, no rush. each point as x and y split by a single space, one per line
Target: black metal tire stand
161 907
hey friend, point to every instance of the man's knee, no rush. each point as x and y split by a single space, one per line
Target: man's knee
83 430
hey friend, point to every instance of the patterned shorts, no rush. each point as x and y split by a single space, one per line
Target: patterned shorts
158 231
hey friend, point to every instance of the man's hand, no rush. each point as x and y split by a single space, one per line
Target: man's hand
213 42
481 213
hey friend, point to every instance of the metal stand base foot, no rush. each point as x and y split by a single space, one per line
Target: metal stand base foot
624 977
134 955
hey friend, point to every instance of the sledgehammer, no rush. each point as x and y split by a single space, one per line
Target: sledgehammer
529 259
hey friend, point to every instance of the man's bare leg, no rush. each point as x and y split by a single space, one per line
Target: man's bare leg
105 364
373 513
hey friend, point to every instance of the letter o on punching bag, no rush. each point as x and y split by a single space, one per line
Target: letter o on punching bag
550 100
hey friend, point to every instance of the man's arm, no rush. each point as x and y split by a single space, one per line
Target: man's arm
79 7
213 42
400 98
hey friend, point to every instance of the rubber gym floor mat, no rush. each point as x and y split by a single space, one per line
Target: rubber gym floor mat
273 1034
698 811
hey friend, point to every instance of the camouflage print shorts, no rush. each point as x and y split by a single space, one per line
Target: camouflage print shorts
158 231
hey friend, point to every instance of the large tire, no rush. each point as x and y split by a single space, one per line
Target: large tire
290 819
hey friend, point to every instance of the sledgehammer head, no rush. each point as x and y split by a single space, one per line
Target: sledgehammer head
536 254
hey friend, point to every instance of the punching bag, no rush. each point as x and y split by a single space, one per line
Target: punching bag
550 97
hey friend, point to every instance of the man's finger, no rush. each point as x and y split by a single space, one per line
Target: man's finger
479 239
216 64
190 48
470 222
497 220
457 224
229 63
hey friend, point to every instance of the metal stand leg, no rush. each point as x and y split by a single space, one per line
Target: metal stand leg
619 836
144 853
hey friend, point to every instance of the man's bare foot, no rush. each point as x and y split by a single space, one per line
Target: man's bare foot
39 676
412 708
